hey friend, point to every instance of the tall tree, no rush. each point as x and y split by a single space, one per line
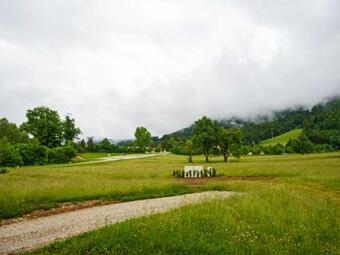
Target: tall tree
82 144
105 145
45 125
143 137
205 133
189 149
11 132
91 146
229 140
70 131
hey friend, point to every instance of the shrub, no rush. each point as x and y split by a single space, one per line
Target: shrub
3 170
278 149
300 145
256 150
267 149
33 154
245 150
9 155
323 148
70 151
61 154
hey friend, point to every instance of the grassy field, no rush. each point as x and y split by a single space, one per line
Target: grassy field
30 188
266 220
283 139
41 187
297 212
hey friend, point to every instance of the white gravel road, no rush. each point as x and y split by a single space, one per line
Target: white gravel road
36 233
116 158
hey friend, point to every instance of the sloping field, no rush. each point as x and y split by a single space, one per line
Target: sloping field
283 138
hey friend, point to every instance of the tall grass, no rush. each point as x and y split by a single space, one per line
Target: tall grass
265 220
26 189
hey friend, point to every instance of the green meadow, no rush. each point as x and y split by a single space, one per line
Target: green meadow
283 139
295 212
40 187
266 220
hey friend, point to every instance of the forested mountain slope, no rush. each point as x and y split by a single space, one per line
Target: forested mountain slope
321 124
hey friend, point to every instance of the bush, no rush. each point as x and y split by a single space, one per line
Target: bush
256 150
268 149
61 154
278 149
300 145
178 150
3 170
245 150
323 148
9 155
33 154
70 151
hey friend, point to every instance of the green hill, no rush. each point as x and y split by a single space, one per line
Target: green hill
283 139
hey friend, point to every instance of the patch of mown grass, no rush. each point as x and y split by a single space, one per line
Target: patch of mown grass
265 220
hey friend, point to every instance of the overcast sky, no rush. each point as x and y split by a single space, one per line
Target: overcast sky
116 65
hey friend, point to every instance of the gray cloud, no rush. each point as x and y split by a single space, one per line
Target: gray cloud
118 64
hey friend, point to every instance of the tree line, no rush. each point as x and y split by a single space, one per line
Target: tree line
142 143
208 138
320 124
45 138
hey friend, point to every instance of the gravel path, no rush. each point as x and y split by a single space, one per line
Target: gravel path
36 233
115 158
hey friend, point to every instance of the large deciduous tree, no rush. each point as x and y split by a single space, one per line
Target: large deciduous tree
205 133
11 132
229 141
45 125
105 145
143 137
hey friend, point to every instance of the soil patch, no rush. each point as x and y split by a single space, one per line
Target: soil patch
201 181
